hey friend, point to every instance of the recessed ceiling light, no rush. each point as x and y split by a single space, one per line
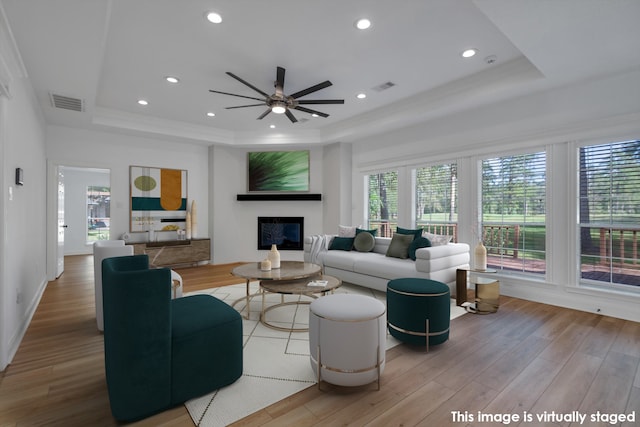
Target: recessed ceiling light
315 115
361 95
143 102
272 126
214 17
362 24
469 53
211 114
172 79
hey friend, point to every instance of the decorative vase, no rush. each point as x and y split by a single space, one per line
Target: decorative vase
480 258
265 265
274 257
187 230
194 220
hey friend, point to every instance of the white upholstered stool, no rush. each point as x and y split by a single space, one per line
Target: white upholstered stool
105 249
347 336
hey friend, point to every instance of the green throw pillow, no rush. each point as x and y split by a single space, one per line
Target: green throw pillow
399 246
416 233
373 232
364 242
341 244
418 242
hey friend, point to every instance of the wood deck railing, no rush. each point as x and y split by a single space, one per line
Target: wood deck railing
501 239
625 235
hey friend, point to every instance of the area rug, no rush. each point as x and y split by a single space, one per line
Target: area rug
276 363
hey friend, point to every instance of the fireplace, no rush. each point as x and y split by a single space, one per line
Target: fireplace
286 232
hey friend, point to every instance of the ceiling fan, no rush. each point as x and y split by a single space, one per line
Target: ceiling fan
280 103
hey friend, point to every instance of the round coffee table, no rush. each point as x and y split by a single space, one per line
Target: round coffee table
302 287
289 270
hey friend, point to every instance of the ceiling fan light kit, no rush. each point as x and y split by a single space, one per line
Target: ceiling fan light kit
278 107
278 102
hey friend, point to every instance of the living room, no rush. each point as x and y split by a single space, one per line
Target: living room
596 106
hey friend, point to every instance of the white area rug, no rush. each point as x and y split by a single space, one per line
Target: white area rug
276 364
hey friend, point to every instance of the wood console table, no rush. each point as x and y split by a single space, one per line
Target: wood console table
174 252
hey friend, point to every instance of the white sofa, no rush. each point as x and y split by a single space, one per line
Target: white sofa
374 269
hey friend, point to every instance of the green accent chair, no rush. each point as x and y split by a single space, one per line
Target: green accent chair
160 352
418 309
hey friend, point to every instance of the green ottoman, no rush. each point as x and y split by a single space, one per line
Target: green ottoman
417 309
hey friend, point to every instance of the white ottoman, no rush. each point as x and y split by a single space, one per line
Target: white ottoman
347 336
105 249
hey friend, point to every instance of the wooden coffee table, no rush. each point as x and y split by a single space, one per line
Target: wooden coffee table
289 270
302 287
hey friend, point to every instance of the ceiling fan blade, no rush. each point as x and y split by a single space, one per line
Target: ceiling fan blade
321 101
291 116
233 94
311 89
248 84
310 111
280 77
263 115
243 106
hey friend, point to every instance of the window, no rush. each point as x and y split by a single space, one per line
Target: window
98 213
513 212
383 202
609 213
436 199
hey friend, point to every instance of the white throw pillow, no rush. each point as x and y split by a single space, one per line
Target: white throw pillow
347 231
437 239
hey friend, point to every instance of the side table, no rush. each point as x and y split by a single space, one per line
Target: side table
487 295
461 284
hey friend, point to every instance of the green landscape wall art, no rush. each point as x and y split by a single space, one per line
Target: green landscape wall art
276 171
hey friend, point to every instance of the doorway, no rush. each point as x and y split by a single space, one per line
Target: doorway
79 212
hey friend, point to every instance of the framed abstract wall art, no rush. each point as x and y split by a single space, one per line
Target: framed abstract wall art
278 171
158 199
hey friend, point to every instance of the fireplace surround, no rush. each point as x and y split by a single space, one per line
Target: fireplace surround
286 232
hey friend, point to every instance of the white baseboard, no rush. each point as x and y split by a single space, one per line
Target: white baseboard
16 339
591 301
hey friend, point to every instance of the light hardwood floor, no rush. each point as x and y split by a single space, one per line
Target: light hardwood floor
527 357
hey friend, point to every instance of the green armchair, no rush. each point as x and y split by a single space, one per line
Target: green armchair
161 352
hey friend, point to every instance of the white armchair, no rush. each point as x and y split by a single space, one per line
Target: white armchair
105 249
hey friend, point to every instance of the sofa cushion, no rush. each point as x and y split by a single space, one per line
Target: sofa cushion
341 243
416 233
373 231
344 260
399 246
418 242
437 239
347 230
364 242
379 265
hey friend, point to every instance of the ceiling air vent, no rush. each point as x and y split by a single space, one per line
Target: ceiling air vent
383 86
66 102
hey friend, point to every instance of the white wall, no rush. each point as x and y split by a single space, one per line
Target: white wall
116 152
235 223
597 111
338 203
22 236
